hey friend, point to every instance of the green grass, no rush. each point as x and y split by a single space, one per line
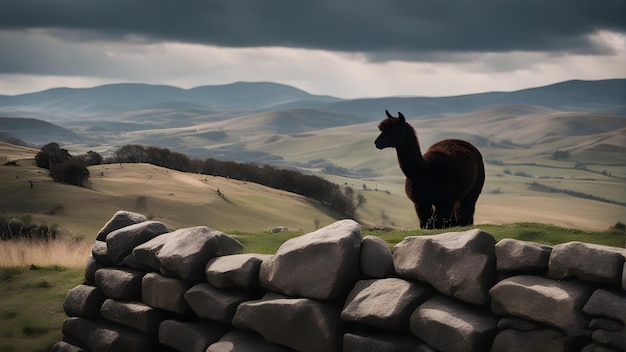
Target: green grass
31 308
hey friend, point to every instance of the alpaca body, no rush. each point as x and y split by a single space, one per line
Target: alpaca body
444 183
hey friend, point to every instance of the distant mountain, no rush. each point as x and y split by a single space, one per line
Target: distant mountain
33 132
65 103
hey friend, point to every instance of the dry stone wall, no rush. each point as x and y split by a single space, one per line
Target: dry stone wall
194 289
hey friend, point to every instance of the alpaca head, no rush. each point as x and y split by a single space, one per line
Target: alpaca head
395 132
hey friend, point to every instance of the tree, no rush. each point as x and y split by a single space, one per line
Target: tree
72 171
51 154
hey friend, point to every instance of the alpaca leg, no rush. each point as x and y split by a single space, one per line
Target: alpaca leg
464 211
425 216
444 216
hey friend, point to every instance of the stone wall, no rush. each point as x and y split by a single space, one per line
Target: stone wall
149 289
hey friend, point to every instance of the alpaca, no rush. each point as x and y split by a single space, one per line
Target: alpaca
444 183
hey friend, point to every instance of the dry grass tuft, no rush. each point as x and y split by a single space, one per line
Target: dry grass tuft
66 251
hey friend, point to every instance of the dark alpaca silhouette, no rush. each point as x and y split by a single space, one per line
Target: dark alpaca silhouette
444 183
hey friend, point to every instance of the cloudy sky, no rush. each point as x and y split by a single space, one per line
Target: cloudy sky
345 48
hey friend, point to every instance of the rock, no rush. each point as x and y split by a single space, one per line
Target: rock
602 264
606 324
63 346
593 347
120 283
457 264
243 341
542 340
376 258
299 323
184 253
518 324
216 304
555 303
384 303
189 336
90 270
319 265
100 254
607 303
120 219
83 301
522 256
449 325
133 314
101 336
235 271
165 293
615 339
121 243
383 343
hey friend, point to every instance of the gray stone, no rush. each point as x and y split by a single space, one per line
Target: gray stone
299 323
184 253
91 267
102 336
376 258
189 336
611 304
244 341
216 304
606 324
602 264
83 301
522 256
450 325
518 324
594 347
119 283
615 339
121 218
133 314
235 271
383 343
554 303
165 293
63 346
384 303
457 264
121 243
99 253
543 340
320 265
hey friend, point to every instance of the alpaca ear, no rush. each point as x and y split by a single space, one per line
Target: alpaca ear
401 117
388 114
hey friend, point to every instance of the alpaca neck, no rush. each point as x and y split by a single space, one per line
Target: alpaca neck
410 159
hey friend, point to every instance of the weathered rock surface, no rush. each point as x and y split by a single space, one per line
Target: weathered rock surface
135 315
120 219
376 258
185 252
555 303
83 301
63 346
299 323
522 256
121 243
607 303
602 264
120 283
235 271
189 336
542 340
99 253
319 265
458 264
216 304
449 325
165 293
244 341
383 343
100 336
384 303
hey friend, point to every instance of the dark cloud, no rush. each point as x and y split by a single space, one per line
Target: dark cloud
398 28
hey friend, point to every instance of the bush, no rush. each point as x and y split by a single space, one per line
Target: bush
71 171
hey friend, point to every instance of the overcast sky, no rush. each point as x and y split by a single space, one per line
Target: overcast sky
345 48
